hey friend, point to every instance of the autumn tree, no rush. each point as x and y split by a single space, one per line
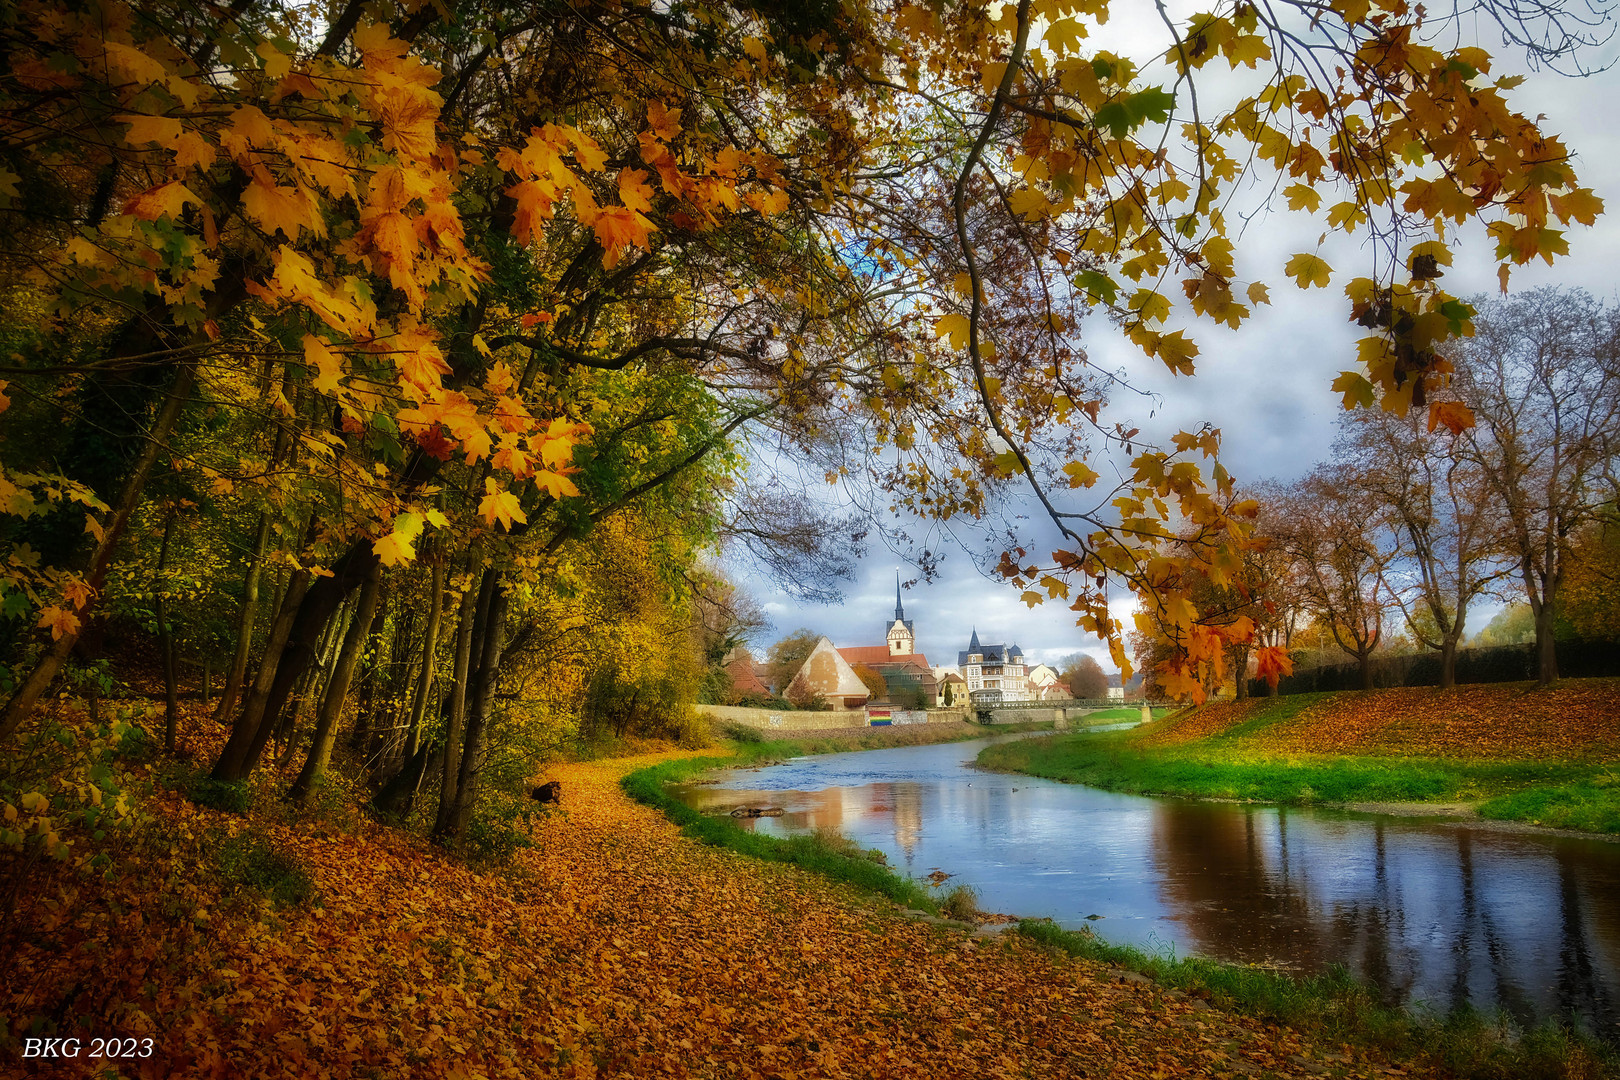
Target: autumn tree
1084 677
787 656
1433 497
1330 530
1542 376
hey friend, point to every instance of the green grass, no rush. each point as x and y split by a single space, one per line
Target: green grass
1212 771
832 856
1340 1009
1589 805
1111 716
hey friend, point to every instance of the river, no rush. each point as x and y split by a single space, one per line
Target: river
1433 912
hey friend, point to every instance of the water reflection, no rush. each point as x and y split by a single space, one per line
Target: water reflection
1440 912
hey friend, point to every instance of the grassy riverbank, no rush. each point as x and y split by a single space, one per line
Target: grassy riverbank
1541 756
829 854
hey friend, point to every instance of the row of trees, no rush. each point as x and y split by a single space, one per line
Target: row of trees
1411 525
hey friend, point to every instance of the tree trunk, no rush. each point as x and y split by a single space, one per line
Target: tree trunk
430 646
245 617
230 765
1546 650
315 609
337 689
458 710
1448 662
1365 661
365 710
50 665
171 690
483 695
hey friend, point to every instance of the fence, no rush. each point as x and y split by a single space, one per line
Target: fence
1577 659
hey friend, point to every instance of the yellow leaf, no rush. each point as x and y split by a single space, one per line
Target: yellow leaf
327 364
500 505
163 130
1302 197
1258 293
394 550
1032 598
1080 474
556 484
155 202
954 326
1308 270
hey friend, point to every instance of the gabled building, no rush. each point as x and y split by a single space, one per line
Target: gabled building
994 673
826 675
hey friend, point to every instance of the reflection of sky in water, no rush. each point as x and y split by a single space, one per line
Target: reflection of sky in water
1431 911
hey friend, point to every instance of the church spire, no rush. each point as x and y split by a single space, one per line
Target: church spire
899 611
973 646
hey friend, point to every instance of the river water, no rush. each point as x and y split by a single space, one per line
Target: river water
1432 911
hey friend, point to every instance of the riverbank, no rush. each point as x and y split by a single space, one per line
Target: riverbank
1510 752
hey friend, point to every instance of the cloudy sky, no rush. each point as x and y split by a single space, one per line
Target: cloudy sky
1266 386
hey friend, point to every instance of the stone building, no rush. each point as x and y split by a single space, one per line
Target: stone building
994 673
828 676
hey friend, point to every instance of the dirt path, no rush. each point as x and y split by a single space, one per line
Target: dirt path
622 949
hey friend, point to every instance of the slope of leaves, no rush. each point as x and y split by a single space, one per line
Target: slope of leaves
1578 718
615 947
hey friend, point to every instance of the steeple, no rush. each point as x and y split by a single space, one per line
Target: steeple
899 611
973 646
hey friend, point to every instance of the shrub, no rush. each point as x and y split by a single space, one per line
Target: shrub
498 829
251 862
961 903
231 796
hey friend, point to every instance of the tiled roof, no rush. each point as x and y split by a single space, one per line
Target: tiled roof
873 655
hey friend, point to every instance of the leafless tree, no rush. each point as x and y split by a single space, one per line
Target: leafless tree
1432 495
1542 377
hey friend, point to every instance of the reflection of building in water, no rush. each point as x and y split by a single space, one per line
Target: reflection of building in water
907 816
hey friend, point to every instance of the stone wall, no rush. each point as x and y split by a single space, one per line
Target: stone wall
772 720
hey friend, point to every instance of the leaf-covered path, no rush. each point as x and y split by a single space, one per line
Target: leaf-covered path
622 949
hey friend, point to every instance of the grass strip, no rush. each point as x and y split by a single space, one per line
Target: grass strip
1339 1008
1206 770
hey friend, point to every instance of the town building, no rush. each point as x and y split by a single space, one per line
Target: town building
827 676
1043 684
994 673
906 673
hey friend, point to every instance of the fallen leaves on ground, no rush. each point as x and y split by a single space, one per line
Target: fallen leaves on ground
618 948
1578 719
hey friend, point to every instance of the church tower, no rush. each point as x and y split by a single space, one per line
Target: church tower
902 639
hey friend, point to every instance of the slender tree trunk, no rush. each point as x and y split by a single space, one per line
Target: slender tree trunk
458 710
314 609
483 695
231 764
430 646
171 689
364 711
1365 661
337 689
50 665
245 618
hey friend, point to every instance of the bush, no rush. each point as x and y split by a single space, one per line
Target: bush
498 829
961 903
251 862
231 796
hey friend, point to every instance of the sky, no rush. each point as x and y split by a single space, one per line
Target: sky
1267 386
